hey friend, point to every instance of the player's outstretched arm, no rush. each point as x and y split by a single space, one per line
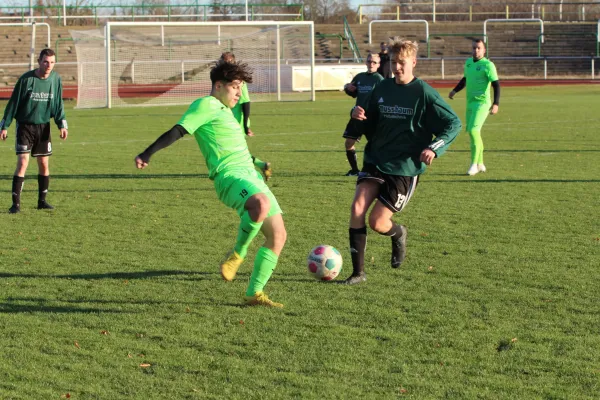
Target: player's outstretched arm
165 140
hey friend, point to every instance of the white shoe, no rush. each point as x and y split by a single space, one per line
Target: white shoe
473 170
481 167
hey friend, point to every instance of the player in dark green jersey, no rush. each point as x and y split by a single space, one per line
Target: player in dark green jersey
36 98
407 124
241 112
479 74
238 185
359 88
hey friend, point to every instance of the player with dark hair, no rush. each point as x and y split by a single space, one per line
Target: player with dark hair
359 88
384 68
36 98
407 124
479 74
241 112
239 186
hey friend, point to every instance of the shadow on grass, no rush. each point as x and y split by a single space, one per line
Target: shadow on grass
109 275
8 308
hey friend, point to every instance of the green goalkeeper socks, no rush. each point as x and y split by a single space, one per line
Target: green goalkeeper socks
246 232
264 264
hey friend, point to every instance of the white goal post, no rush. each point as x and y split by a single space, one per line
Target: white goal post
168 63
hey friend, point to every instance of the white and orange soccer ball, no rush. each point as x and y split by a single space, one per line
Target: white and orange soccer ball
324 262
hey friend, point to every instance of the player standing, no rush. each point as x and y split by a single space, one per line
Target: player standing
407 125
359 88
36 98
239 186
479 74
241 112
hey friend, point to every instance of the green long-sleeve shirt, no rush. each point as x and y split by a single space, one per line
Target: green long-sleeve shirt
36 101
402 121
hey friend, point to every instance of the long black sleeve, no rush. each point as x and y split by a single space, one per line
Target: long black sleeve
460 85
246 113
496 86
165 140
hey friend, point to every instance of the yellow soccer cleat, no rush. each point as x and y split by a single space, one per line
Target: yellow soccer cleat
261 299
230 266
267 171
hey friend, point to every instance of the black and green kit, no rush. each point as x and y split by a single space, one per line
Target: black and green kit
36 101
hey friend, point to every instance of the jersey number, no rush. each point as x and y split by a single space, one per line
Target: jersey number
243 193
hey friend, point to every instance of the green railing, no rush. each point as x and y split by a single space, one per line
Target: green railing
478 35
351 42
541 36
195 11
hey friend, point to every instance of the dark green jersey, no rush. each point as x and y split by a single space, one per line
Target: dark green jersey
402 121
36 101
364 82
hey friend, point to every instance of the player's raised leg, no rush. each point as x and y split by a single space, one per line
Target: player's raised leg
266 260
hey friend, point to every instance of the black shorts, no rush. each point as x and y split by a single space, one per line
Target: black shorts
351 133
394 191
34 139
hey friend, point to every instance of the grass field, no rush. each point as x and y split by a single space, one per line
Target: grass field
116 294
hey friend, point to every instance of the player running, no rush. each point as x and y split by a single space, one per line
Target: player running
407 124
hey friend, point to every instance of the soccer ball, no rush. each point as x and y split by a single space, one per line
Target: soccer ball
324 262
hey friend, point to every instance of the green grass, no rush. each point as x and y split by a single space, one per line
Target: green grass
124 271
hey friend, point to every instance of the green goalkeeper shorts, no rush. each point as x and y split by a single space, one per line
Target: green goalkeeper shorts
477 113
235 187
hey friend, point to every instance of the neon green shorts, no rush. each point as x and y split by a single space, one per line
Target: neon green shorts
234 188
477 113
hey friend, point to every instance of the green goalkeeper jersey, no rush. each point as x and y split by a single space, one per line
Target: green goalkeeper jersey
479 75
36 101
220 137
402 121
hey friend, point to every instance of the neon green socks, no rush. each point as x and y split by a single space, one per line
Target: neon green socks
264 264
246 232
476 147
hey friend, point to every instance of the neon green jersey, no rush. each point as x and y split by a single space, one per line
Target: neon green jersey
220 137
479 75
237 109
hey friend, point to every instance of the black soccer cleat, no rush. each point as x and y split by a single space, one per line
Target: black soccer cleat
399 248
352 172
355 279
43 205
14 209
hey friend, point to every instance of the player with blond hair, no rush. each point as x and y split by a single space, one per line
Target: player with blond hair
407 125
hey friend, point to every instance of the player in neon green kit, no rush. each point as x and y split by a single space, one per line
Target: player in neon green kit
241 112
479 74
239 186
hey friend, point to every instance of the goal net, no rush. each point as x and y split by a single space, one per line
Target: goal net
168 63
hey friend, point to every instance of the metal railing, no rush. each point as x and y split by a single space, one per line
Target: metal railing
167 12
464 11
351 42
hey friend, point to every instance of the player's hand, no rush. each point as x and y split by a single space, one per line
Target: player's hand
3 134
139 163
249 132
350 88
494 109
451 95
63 133
427 156
358 113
